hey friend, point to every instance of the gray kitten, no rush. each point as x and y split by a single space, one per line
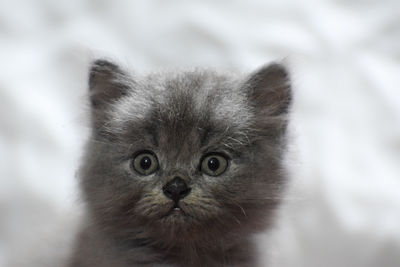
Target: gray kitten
182 169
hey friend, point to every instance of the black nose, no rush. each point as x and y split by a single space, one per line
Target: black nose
176 189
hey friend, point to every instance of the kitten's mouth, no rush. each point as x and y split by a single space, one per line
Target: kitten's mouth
176 209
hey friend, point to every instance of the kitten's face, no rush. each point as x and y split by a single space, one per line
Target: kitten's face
184 156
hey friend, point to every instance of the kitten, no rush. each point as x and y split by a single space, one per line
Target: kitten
182 169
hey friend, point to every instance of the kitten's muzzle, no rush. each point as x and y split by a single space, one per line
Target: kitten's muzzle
176 189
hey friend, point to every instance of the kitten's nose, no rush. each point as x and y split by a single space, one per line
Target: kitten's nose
176 189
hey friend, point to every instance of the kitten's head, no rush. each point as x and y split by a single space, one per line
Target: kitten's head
186 156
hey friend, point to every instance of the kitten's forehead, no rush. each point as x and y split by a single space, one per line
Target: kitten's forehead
187 100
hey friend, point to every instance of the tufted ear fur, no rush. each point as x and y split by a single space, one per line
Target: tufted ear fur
107 83
270 94
269 90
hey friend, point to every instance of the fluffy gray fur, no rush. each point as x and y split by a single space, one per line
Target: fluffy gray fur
181 117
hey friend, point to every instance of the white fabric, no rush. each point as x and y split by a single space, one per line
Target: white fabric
343 208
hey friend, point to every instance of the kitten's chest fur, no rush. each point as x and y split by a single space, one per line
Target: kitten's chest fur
96 250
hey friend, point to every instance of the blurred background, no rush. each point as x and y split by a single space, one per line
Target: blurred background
343 205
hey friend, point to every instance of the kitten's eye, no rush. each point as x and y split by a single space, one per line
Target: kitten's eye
145 163
214 164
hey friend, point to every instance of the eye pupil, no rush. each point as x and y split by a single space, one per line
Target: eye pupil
145 163
213 164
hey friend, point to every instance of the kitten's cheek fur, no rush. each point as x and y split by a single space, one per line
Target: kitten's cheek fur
153 205
200 209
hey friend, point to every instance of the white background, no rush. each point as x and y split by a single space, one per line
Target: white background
343 208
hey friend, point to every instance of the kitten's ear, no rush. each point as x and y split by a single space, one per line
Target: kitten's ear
269 90
107 83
